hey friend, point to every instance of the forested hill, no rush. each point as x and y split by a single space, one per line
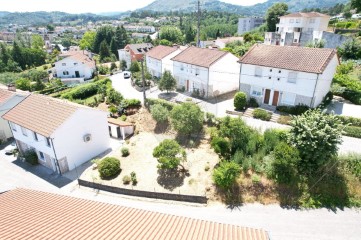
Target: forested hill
216 5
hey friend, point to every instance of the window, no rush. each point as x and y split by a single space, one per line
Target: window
182 67
36 136
269 77
65 73
298 20
295 40
48 142
258 72
75 64
63 64
41 155
292 77
279 71
197 71
23 130
256 91
13 126
270 70
288 98
292 20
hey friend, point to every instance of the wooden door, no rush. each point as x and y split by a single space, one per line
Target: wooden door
276 95
187 86
110 130
266 96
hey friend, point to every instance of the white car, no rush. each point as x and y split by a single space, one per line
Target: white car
127 75
9 150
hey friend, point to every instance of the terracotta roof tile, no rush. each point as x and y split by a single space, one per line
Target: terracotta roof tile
308 14
160 52
302 59
119 122
41 114
80 57
202 57
5 95
29 214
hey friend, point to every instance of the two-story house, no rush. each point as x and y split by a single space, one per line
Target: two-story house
75 67
8 100
209 72
134 52
64 135
287 75
159 59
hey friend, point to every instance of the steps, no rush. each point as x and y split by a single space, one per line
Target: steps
275 117
248 113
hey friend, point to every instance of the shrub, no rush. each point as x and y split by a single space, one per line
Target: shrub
226 174
126 180
285 119
352 131
240 101
131 103
82 91
255 179
133 177
187 118
352 88
294 110
262 114
31 157
123 118
159 113
151 101
125 152
345 68
169 154
272 137
109 167
210 119
167 82
352 163
114 97
221 146
352 121
253 103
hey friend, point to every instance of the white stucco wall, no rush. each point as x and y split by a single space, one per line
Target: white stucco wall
167 63
224 75
285 24
154 66
4 108
189 73
124 55
71 66
69 137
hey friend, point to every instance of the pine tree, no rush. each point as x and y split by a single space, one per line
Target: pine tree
104 50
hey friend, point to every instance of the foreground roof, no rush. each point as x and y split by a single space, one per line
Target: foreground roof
29 214
5 95
302 59
160 52
41 114
202 57
306 14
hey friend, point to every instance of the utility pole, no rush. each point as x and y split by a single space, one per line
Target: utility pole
199 24
144 97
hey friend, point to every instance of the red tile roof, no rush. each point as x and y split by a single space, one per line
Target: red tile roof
302 59
41 114
29 214
308 14
202 57
5 95
119 122
160 52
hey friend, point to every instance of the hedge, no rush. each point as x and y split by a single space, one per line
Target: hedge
262 114
293 110
352 121
151 101
352 131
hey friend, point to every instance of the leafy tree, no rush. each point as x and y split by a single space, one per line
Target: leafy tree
134 67
165 42
23 84
167 82
159 112
148 39
226 174
316 135
356 4
350 50
316 44
50 27
66 42
171 33
273 13
190 34
187 118
240 101
37 42
114 96
106 34
104 51
87 41
169 154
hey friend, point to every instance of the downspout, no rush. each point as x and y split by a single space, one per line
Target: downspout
56 158
314 91
208 81
240 76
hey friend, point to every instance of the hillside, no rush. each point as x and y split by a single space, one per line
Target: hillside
216 5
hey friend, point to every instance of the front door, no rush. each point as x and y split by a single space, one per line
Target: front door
119 135
266 96
110 130
276 95
77 74
187 86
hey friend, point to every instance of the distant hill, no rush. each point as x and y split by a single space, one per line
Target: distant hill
217 5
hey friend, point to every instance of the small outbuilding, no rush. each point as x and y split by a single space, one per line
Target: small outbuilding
120 129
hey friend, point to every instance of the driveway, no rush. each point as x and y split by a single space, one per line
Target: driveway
124 87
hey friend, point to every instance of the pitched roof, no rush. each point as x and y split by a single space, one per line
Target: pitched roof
140 48
202 57
307 15
79 56
302 59
119 122
29 214
160 52
5 95
41 114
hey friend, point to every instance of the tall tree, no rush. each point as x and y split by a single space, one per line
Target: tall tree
273 13
104 50
190 34
87 41
356 4
37 41
17 55
113 46
167 82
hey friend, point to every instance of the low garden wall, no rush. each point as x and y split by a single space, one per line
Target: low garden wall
147 194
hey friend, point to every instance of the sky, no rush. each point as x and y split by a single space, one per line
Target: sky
93 6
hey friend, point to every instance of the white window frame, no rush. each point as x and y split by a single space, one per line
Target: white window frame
36 137
182 67
256 91
41 156
47 142
24 131
258 72
13 126
292 77
63 64
289 103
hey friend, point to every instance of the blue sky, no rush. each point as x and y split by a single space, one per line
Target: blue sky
94 6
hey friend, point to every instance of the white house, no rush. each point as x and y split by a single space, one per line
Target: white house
287 75
64 135
134 52
8 100
209 72
120 129
159 59
76 67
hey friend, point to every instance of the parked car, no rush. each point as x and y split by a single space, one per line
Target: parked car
127 75
10 149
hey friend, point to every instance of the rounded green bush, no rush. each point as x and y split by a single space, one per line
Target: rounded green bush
125 152
240 101
109 167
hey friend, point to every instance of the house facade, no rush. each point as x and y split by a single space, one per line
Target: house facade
276 75
248 24
159 59
75 67
134 52
64 135
8 100
207 72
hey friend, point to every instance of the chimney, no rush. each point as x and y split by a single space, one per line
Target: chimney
11 87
